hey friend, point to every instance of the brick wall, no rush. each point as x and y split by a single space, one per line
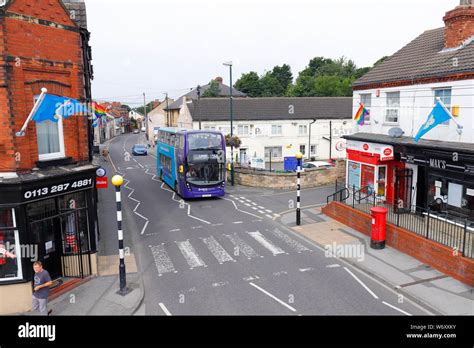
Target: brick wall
36 54
436 255
459 26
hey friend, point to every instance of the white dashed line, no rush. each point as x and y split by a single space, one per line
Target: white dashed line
273 297
396 308
361 283
238 222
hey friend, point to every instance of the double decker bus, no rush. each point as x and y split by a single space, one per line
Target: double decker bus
192 162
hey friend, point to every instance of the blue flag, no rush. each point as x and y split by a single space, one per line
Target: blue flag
438 115
54 107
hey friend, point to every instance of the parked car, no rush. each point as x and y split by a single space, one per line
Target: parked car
140 150
143 129
136 131
317 164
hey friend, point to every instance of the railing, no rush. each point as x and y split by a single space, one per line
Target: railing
439 226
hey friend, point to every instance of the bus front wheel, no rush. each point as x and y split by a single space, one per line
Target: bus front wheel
176 187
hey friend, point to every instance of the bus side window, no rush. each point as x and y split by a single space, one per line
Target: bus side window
172 140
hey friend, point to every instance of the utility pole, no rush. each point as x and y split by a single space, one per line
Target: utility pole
167 111
146 119
199 98
330 140
229 64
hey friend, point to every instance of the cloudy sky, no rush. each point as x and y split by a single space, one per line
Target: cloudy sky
154 46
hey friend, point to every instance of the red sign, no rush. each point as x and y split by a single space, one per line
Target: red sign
366 147
387 152
101 183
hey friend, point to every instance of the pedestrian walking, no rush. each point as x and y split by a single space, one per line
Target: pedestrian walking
41 283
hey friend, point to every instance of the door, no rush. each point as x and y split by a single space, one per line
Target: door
243 157
46 235
367 179
403 190
381 181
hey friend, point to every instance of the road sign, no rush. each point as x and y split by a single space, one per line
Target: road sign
100 172
102 183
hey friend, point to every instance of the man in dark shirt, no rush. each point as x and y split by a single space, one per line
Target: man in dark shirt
41 283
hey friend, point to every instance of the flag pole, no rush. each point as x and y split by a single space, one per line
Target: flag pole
21 133
460 127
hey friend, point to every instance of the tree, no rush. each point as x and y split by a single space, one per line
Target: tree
283 75
249 84
213 90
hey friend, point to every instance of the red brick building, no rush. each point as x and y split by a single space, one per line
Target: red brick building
47 184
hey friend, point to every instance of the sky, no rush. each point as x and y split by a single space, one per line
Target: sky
158 46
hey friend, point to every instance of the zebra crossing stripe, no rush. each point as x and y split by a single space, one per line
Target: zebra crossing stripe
190 255
242 247
298 247
260 238
162 261
217 250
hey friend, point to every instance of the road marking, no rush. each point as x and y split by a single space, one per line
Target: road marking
268 211
254 208
259 220
269 216
190 255
195 227
248 205
175 230
336 265
162 260
219 224
140 165
163 307
298 247
253 203
217 250
241 246
273 297
238 222
361 283
396 308
266 243
306 269
144 227
260 207
132 191
261 212
243 211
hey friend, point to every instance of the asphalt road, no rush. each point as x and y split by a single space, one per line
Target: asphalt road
230 256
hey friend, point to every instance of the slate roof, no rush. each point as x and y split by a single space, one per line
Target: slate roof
255 109
79 8
424 57
410 141
224 91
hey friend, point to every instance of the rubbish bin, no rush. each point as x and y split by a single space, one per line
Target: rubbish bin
379 222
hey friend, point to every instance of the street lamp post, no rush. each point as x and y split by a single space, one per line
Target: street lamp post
229 64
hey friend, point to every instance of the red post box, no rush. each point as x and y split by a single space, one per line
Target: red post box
379 222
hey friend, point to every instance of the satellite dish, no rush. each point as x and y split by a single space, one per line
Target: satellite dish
395 132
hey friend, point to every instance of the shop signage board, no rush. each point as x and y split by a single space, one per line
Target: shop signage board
385 152
102 183
53 189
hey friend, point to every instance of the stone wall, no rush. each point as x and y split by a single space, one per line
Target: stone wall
309 178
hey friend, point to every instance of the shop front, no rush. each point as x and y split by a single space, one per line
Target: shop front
444 180
50 217
372 167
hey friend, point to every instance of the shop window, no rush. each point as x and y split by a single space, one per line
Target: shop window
382 174
10 250
275 151
367 178
353 175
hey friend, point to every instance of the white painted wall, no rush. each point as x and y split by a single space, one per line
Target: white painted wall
416 102
260 136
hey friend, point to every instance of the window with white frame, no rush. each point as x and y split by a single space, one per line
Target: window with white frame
366 100
393 107
50 139
444 94
10 251
313 149
276 129
273 152
302 129
242 129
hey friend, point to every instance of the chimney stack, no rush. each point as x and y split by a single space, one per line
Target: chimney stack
459 24
219 79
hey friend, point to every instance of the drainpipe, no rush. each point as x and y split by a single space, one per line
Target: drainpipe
309 140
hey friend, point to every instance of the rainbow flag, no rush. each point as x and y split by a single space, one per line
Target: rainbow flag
99 110
360 115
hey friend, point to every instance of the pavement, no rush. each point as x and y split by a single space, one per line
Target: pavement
243 255
411 278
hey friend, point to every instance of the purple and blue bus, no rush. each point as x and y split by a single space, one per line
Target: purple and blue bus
192 162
